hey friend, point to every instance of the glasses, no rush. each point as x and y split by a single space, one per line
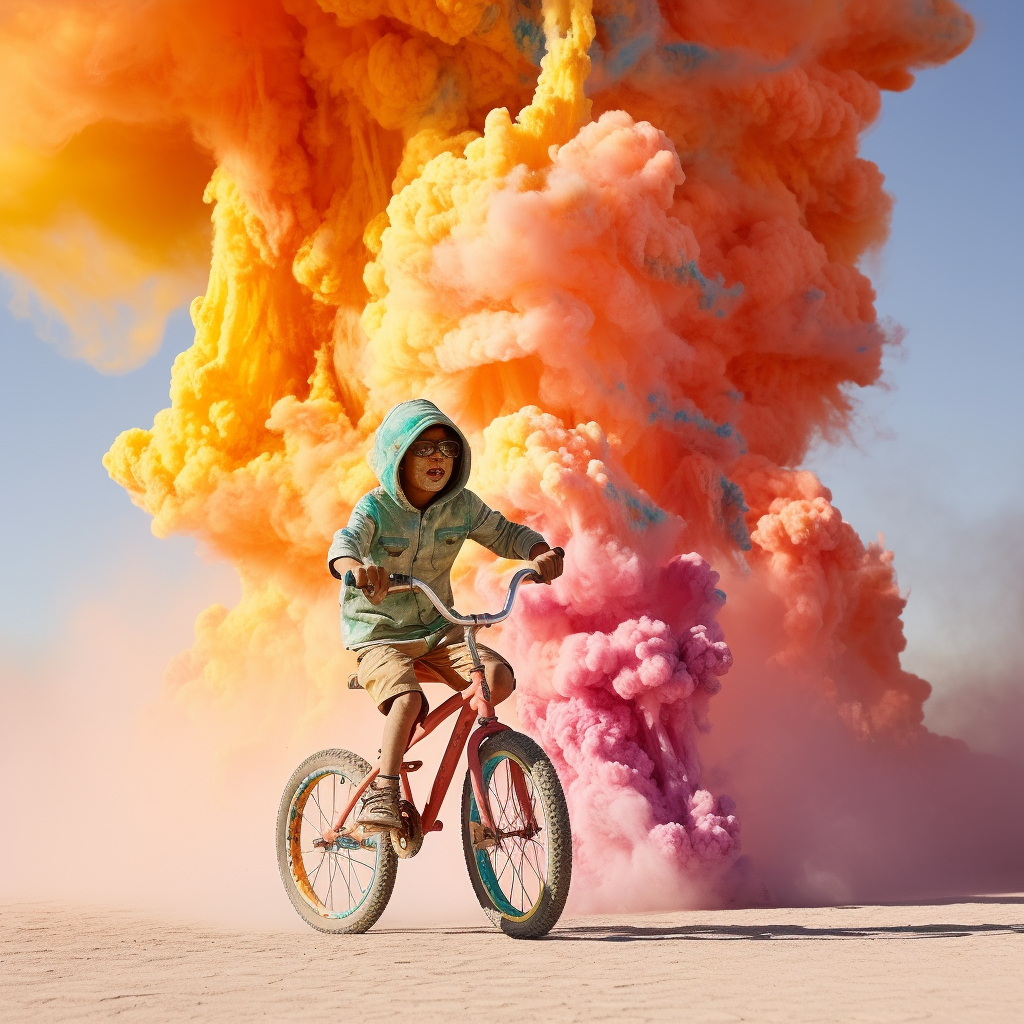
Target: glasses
424 449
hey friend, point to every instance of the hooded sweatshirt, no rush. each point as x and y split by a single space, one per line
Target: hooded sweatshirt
386 530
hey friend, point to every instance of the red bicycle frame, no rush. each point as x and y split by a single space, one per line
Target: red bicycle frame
468 703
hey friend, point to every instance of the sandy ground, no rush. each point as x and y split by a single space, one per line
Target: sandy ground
946 961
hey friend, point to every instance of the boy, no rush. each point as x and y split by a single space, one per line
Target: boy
415 522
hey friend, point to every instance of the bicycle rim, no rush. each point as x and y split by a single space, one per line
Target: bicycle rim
335 881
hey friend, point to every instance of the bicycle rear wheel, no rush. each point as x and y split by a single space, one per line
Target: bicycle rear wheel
520 874
343 887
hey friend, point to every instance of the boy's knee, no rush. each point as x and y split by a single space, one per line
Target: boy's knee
502 683
405 704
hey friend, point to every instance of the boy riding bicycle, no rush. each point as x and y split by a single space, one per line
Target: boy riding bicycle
415 523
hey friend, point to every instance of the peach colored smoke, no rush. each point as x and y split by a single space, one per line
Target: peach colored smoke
619 243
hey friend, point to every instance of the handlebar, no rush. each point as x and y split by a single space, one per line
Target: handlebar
402 583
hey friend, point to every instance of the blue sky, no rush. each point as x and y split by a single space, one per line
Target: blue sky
936 462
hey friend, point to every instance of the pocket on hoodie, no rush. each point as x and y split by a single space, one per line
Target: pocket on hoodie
394 553
447 544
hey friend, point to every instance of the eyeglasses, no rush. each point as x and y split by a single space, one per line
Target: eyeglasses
424 449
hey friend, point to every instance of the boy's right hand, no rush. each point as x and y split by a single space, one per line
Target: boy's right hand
373 581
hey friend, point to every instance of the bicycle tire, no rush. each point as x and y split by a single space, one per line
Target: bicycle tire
495 884
374 877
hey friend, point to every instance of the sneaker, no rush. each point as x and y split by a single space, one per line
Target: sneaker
379 811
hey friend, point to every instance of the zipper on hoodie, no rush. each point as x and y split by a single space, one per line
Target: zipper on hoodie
417 596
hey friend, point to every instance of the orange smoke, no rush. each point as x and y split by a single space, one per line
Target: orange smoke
642 217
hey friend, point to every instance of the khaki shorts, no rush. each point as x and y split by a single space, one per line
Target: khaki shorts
386 671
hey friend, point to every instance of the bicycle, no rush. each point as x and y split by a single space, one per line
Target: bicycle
516 836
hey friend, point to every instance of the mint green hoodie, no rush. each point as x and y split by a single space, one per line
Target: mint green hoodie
385 529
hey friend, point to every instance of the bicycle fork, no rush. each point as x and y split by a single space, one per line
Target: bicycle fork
488 725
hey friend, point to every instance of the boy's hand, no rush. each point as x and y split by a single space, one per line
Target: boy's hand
547 563
373 581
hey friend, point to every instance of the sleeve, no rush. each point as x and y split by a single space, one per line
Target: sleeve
497 534
354 540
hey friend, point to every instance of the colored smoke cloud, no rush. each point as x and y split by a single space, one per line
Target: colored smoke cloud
619 244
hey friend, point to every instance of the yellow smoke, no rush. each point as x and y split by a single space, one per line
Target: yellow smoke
363 161
262 452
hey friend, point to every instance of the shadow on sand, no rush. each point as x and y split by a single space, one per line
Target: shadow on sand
763 932
624 932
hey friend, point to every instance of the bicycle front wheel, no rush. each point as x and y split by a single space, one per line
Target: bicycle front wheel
343 886
521 872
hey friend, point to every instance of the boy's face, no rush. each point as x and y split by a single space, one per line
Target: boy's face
429 474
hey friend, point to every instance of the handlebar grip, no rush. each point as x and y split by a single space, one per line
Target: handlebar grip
397 578
350 581
536 577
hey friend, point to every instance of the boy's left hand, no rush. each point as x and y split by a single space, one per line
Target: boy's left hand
548 565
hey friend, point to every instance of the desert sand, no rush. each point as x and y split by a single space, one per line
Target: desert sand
941 961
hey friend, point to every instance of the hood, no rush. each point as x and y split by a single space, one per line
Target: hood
402 425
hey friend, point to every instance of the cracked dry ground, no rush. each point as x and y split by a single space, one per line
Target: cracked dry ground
945 961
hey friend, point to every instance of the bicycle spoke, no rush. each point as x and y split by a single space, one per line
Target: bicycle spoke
328 901
353 877
343 798
500 818
361 863
532 866
352 901
319 831
349 877
503 808
357 876
507 878
509 865
316 800
538 851
517 877
312 881
524 861
511 806
494 862
500 792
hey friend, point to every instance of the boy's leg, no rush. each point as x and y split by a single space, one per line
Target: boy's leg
403 714
388 676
